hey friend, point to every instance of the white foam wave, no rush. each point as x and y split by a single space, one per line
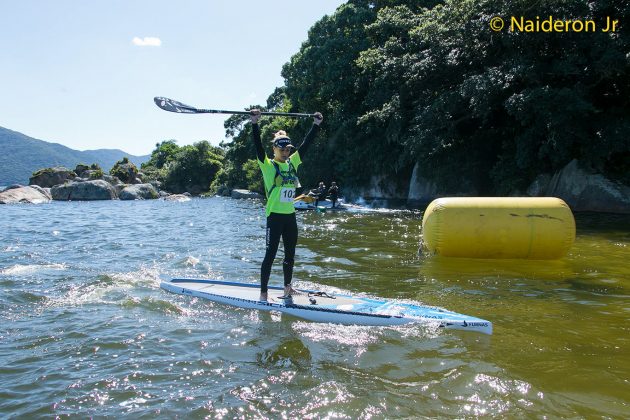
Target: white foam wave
31 268
110 289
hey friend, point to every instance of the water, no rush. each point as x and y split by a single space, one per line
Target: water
86 331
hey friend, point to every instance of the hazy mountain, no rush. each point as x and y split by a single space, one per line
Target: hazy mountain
21 155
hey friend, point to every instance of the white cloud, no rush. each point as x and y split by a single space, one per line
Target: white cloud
147 41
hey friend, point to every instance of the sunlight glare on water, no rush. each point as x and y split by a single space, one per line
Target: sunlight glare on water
86 330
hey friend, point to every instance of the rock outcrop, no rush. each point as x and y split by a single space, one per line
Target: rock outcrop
223 191
380 187
126 171
84 191
421 189
49 177
138 192
583 191
24 194
111 179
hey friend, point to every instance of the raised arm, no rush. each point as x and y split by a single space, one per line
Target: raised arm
260 152
317 120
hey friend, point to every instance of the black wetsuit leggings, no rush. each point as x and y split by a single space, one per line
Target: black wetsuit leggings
285 226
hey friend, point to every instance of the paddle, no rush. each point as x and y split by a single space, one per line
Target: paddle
173 106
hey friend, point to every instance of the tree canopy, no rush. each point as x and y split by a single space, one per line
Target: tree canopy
402 83
191 168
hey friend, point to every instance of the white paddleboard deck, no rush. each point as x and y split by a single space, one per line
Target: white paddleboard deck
333 308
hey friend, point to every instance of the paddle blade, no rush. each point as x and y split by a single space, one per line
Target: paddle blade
173 106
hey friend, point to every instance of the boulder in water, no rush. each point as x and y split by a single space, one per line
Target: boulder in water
84 191
126 171
33 194
138 192
49 177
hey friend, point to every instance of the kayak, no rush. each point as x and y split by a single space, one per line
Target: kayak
325 307
305 202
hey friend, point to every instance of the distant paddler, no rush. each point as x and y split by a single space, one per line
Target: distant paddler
318 193
333 193
280 179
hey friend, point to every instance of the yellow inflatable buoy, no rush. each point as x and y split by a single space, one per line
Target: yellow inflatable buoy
498 227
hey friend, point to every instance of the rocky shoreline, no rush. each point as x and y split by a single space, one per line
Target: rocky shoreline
90 184
84 184
100 190
581 190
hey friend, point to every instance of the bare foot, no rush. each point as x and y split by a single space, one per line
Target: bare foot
263 297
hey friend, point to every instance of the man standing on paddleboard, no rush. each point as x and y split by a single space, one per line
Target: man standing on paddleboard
280 179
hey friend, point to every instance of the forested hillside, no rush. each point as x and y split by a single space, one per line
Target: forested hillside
402 83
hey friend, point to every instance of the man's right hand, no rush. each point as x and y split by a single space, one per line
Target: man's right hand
254 115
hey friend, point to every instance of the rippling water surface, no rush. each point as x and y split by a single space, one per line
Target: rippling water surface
85 329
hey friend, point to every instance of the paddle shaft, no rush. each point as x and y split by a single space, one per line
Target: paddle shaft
171 105
275 114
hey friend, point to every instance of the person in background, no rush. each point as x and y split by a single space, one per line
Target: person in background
319 193
280 179
333 193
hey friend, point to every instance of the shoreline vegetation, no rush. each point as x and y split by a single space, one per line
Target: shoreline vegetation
89 183
423 99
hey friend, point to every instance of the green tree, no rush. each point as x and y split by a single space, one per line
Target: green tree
427 82
163 154
254 177
241 150
322 76
124 170
194 168
162 157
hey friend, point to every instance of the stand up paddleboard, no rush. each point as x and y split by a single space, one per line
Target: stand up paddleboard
323 307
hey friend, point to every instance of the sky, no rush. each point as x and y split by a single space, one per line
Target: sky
84 73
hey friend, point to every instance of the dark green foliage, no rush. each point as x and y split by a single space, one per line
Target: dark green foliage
240 153
97 174
428 82
157 167
253 177
124 170
48 171
163 154
496 109
193 168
